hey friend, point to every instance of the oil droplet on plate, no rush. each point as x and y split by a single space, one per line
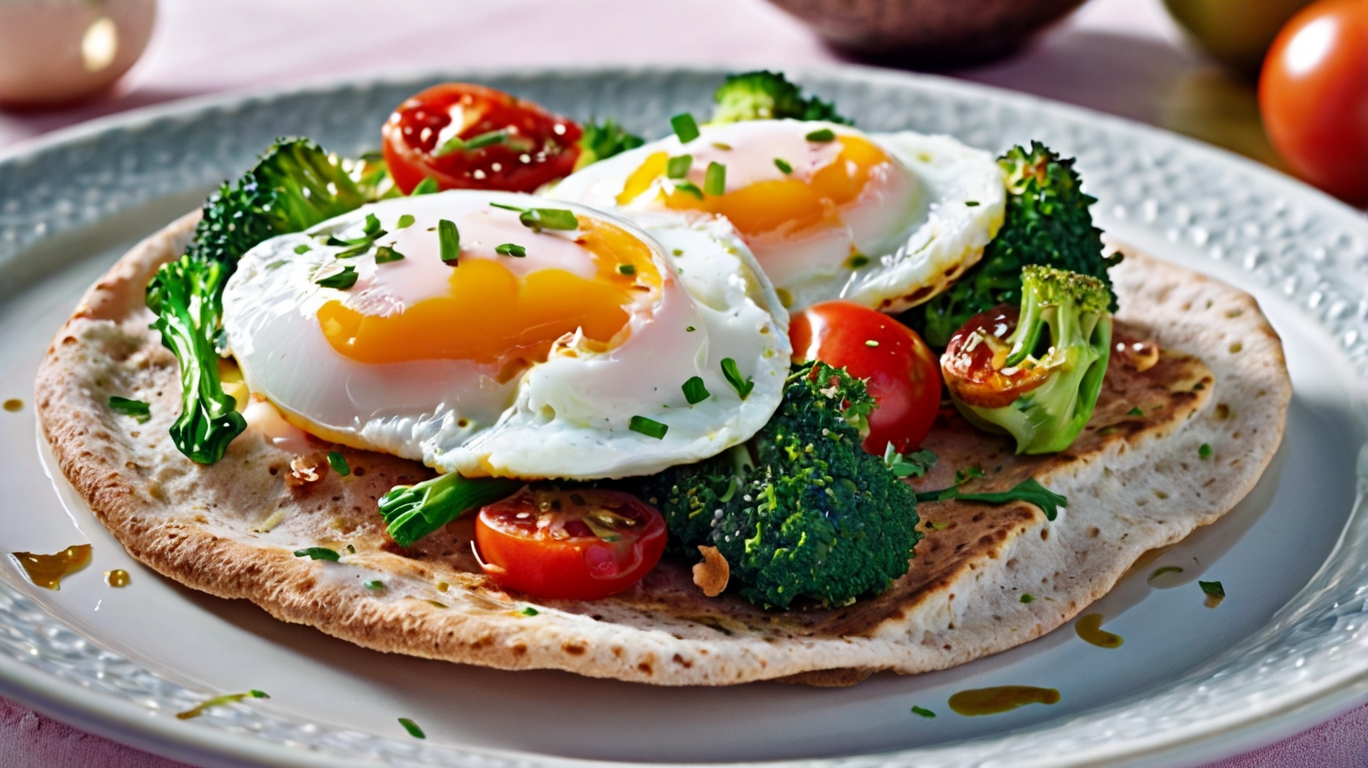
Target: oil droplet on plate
14 405
1090 629
116 578
47 571
1003 698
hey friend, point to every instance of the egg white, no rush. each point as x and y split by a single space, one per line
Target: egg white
928 221
567 417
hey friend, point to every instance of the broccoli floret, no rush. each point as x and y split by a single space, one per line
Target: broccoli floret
1074 310
800 510
1047 222
767 95
603 140
294 186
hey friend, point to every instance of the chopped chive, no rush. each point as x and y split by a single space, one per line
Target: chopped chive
1204 451
302 248
510 249
339 464
372 228
871 343
926 713
971 203
715 182
374 585
721 146
732 374
487 139
695 391
689 187
342 280
678 167
783 165
425 187
822 135
626 269
857 260
1136 411
1027 597
649 427
404 221
685 127
453 144
1212 588
412 728
449 238
385 254
136 409
1161 571
939 526
689 329
538 219
318 553
529 611
354 251
351 549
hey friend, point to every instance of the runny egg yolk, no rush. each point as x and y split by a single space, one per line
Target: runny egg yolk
490 315
786 204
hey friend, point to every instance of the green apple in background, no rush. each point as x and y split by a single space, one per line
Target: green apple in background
1237 32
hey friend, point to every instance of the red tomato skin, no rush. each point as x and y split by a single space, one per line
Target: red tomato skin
901 372
410 139
1313 94
970 374
582 567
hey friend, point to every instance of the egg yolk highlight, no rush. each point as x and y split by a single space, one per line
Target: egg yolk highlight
490 315
784 205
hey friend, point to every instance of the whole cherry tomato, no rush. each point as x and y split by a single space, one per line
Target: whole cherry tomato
899 368
470 137
974 361
573 545
1313 94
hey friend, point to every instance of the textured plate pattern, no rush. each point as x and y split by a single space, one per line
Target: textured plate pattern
1285 236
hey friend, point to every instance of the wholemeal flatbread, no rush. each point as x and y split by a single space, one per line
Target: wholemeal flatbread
1134 483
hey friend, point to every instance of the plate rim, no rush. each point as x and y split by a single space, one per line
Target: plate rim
124 721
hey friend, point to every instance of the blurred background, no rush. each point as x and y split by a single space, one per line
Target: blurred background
1191 66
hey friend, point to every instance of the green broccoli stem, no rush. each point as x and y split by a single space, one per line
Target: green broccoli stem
411 512
185 294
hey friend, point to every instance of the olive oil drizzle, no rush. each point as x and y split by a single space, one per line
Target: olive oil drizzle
1003 698
1090 629
47 571
116 578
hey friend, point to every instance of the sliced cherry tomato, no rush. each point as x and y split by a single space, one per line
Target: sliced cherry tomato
898 367
574 545
505 143
974 361
1313 94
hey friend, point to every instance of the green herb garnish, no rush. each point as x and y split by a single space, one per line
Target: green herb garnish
1136 411
1212 588
385 254
689 187
678 167
510 249
339 464
971 203
1027 597
427 186
374 585
822 135
1027 490
963 476
649 427
926 713
449 238
732 374
302 248
404 221
1204 451
626 269
529 611
457 144
914 464
685 127
411 512
342 280
695 391
412 728
783 165
318 553
715 181
537 219
135 409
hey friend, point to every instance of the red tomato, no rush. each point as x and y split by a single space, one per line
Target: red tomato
574 545
534 148
897 365
1313 94
974 361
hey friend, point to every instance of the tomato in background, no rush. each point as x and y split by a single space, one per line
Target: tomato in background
901 372
1313 94
516 146
572 545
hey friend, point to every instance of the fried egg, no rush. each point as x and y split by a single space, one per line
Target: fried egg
884 220
535 353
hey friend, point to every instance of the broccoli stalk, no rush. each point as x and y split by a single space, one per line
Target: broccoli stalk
801 510
294 186
1047 222
603 140
766 95
414 511
1073 308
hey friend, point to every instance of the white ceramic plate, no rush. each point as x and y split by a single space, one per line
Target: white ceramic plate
1284 650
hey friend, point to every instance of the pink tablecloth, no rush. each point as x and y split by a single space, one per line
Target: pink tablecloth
1119 56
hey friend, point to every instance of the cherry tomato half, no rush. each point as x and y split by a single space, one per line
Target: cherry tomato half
574 545
974 361
1313 94
514 145
898 367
